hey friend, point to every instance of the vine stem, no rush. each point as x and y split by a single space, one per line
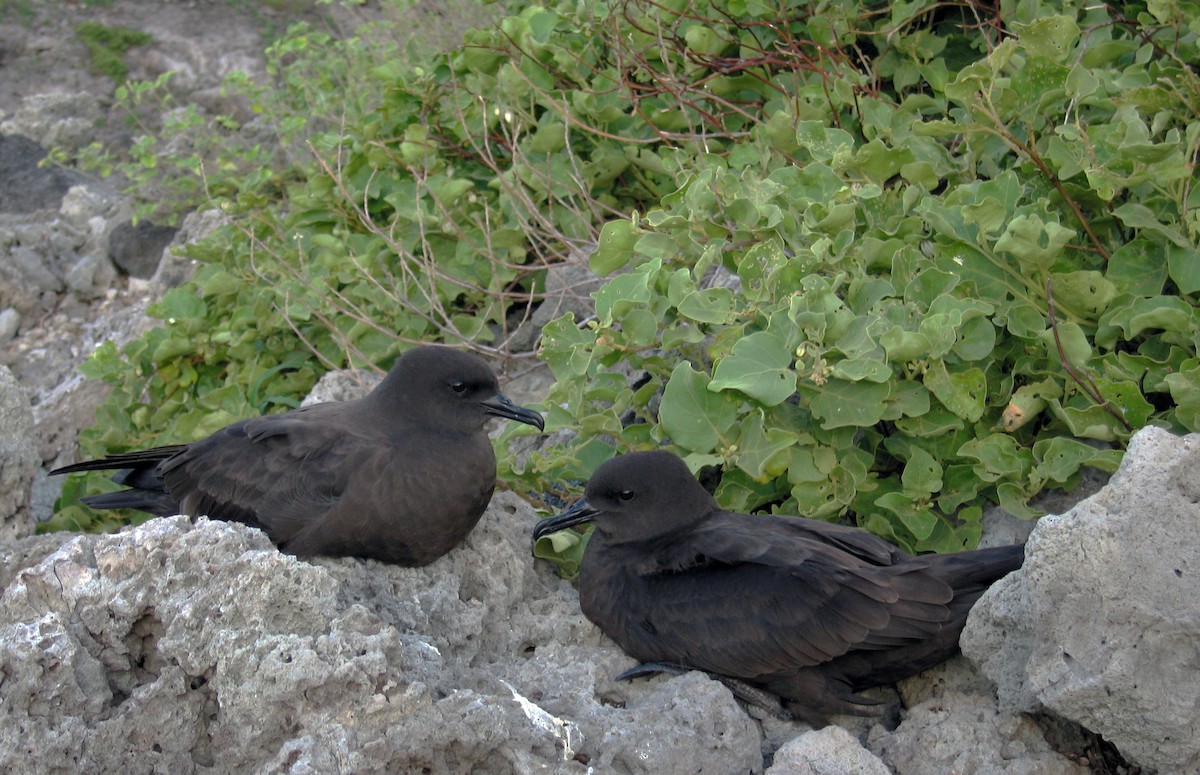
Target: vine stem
1085 381
1027 148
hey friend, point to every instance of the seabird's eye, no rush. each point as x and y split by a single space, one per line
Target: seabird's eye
625 495
458 386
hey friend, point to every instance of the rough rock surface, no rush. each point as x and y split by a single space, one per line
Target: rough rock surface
137 250
342 385
828 751
18 457
29 187
952 724
55 120
1101 626
178 648
568 289
174 647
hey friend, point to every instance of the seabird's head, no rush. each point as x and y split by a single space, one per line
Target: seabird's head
640 496
449 388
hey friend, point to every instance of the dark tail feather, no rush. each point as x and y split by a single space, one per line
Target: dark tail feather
139 471
140 459
157 503
969 574
976 570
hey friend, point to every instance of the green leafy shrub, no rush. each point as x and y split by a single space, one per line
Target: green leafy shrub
883 264
108 45
182 159
956 274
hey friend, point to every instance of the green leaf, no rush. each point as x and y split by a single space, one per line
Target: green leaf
1185 392
825 143
929 284
1083 292
764 453
565 549
615 247
976 340
179 304
961 484
217 282
922 474
919 521
1137 267
961 392
1026 321
935 422
839 403
1073 341
998 456
173 347
859 369
640 326
1140 217
1027 403
1035 243
909 398
1165 313
738 491
1088 420
1051 37
1059 459
1184 267
711 305
879 162
901 345
1015 500
626 291
758 366
566 349
693 416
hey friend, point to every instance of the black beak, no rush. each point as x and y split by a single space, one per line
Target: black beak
578 514
499 406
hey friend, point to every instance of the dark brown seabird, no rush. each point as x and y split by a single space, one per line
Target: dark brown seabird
400 475
809 611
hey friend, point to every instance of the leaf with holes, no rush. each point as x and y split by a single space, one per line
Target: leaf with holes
961 392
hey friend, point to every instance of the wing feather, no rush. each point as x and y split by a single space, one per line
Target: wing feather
275 472
780 598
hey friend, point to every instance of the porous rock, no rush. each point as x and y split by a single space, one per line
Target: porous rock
828 751
174 269
18 457
56 120
1101 625
25 186
342 385
569 288
963 731
952 724
137 250
174 647
45 252
10 324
